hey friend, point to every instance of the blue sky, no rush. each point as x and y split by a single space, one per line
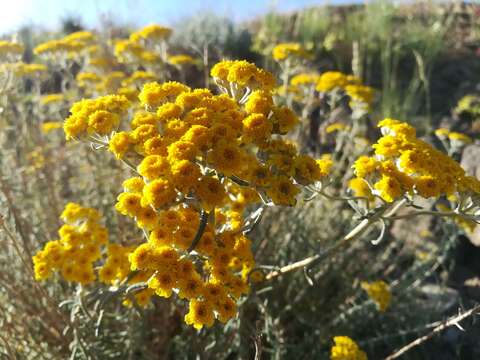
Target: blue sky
46 13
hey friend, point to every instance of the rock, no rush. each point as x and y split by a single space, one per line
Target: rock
471 163
471 160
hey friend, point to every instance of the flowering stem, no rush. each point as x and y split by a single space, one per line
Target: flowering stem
425 212
129 164
352 235
200 231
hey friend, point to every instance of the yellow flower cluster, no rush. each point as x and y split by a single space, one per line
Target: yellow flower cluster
73 255
51 99
335 127
211 291
67 46
202 161
20 69
152 32
50 126
404 164
346 349
469 104
305 79
455 138
116 266
379 292
146 46
303 86
127 51
243 74
360 95
285 51
331 80
95 116
10 50
180 59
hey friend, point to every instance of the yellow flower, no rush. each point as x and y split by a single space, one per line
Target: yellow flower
143 133
180 59
8 48
200 314
51 98
154 94
211 192
388 146
199 135
283 191
442 133
175 128
459 137
160 237
259 175
283 119
151 32
285 50
146 218
107 273
102 122
142 258
85 79
360 94
256 128
119 144
51 125
243 73
331 80
389 188
153 167
364 166
129 204
189 100
158 193
181 150
169 111
190 287
304 79
427 186
360 188
259 102
226 308
143 118
325 163
156 145
335 127
226 157
163 283
379 292
184 175
74 126
346 349
307 170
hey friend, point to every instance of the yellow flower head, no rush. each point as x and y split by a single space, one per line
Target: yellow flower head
200 314
152 32
286 50
346 349
180 60
379 292
331 80
243 73
154 94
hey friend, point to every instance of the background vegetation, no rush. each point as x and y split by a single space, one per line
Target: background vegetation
423 58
